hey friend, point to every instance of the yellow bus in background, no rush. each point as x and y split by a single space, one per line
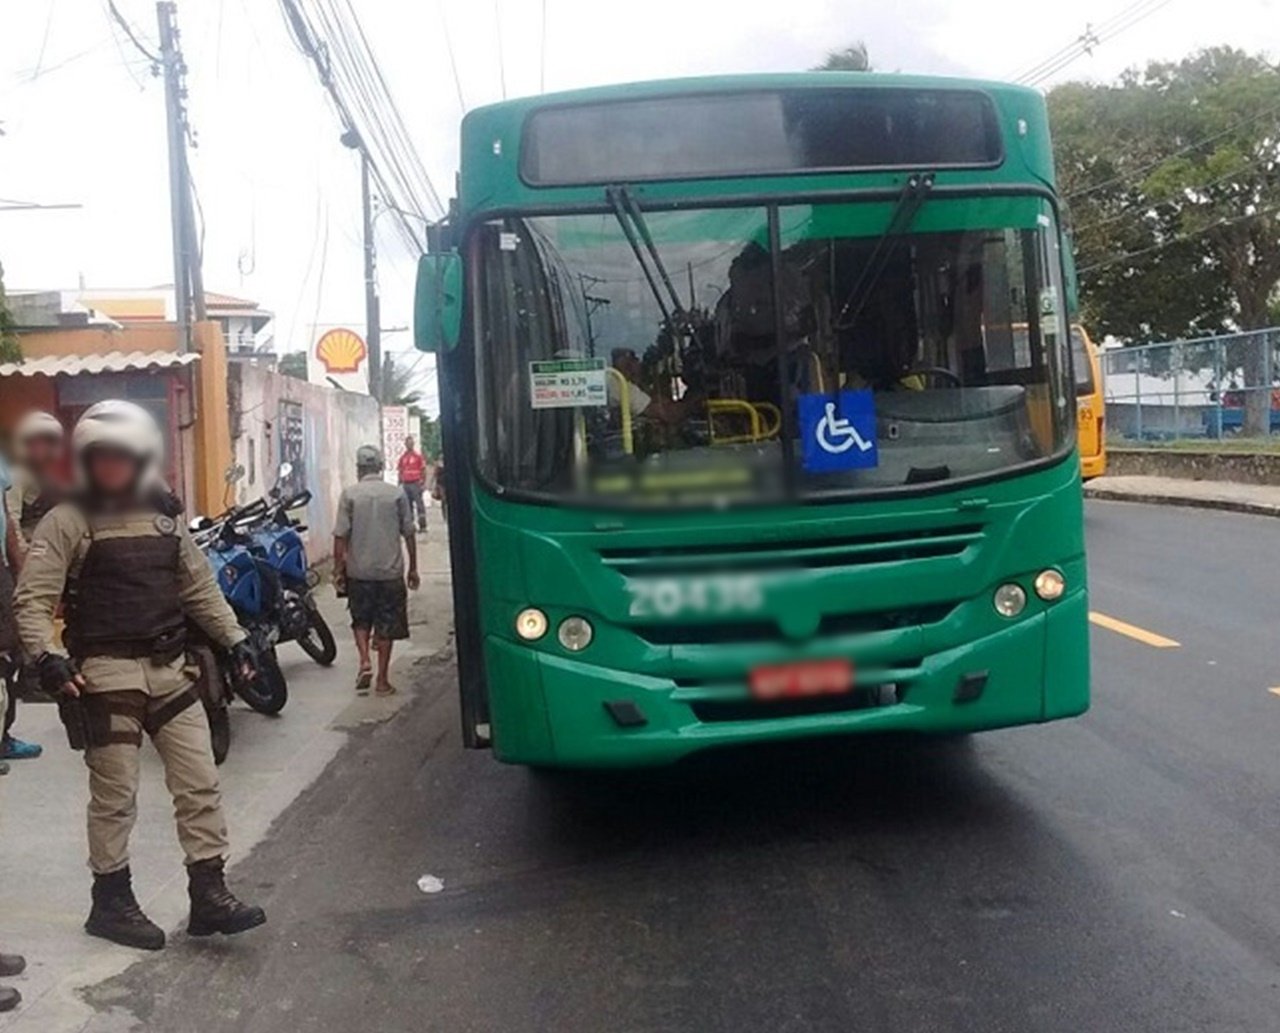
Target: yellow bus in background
1089 403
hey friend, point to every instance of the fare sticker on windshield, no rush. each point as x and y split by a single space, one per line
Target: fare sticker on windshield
567 383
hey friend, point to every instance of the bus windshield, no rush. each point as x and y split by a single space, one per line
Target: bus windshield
673 357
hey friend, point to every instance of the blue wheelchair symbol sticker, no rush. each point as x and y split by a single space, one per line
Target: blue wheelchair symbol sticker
838 431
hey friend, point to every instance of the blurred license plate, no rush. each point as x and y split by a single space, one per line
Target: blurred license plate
804 678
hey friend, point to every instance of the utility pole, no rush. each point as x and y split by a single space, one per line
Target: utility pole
372 308
188 278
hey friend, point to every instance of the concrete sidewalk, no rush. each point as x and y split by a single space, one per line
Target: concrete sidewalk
44 882
1262 500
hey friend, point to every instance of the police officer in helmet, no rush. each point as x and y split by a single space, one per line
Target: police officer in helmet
131 576
37 485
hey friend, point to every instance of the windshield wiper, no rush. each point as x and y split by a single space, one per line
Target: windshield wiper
914 194
636 229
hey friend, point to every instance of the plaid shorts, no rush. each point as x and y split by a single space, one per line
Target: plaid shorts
382 606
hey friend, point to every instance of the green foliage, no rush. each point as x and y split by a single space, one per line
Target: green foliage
10 351
293 364
847 59
397 383
1172 182
430 444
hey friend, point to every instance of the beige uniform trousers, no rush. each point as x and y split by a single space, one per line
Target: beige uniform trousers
136 696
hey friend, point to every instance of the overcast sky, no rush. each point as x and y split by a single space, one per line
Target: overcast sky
83 120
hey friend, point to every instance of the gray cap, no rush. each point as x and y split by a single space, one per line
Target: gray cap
369 455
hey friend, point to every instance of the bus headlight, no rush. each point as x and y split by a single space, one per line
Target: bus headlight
1009 600
575 634
1050 584
531 624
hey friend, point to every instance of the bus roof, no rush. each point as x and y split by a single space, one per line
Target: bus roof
493 136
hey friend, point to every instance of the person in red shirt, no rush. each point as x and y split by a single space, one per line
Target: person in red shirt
413 480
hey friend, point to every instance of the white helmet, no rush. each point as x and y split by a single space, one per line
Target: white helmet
125 427
36 424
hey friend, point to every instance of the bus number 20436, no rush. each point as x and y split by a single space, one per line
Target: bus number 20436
712 596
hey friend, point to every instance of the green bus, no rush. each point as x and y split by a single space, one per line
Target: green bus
758 411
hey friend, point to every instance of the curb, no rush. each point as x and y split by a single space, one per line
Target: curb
1192 502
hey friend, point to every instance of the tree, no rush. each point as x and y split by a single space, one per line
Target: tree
847 59
430 443
293 364
1172 178
10 350
397 383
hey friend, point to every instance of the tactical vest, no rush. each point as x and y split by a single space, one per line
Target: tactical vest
124 600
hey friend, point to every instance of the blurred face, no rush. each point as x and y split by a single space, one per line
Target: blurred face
110 471
408 444
44 454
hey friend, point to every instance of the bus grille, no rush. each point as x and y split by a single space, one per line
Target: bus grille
730 632
813 553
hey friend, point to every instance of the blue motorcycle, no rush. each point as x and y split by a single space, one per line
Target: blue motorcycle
253 589
277 539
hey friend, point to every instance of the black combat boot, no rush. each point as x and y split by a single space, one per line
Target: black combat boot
116 915
213 908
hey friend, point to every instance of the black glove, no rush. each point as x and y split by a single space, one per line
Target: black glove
56 671
244 661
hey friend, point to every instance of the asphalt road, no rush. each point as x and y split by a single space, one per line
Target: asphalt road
1116 873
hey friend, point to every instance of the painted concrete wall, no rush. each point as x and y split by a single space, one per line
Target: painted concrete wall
275 417
95 340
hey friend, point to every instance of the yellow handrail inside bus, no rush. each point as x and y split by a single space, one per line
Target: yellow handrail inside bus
733 405
624 408
770 410
765 419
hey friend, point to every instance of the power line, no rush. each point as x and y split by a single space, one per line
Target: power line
329 33
1179 238
1089 40
44 41
453 61
128 31
1084 43
502 64
542 52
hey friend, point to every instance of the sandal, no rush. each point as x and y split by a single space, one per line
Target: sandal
385 690
364 678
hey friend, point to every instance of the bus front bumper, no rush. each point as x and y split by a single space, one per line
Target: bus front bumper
556 711
1093 466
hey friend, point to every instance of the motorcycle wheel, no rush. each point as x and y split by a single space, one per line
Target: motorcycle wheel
220 733
317 641
269 692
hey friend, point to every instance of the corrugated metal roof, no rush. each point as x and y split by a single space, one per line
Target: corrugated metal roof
105 362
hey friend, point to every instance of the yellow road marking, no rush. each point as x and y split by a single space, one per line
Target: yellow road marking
1149 638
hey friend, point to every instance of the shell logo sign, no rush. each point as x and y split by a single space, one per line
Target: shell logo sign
341 351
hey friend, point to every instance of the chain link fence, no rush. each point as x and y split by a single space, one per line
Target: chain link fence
1210 388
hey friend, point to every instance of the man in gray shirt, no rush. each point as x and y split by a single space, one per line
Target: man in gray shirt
373 519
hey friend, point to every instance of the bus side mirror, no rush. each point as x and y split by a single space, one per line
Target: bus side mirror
437 310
